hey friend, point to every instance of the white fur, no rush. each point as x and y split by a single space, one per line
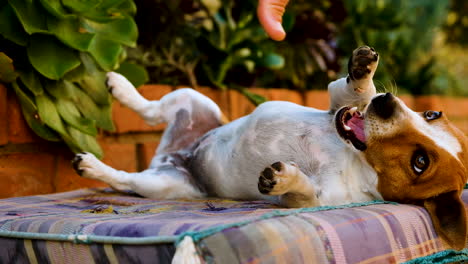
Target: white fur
233 155
227 160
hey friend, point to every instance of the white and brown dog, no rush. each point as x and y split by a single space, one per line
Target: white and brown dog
365 147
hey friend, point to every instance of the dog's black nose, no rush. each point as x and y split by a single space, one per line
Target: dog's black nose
384 105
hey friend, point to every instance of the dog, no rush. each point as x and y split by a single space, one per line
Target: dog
367 146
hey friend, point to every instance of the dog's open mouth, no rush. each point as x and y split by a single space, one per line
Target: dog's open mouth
350 126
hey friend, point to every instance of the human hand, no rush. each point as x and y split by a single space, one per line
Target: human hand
270 13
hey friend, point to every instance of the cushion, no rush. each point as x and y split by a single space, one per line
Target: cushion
104 226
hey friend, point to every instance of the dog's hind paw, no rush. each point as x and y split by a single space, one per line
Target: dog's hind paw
120 88
362 63
277 178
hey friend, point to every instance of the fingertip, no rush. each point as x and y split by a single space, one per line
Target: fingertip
272 26
277 33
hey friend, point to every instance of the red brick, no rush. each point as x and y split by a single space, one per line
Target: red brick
408 100
454 107
220 97
147 151
66 179
26 174
120 156
240 105
18 129
423 103
3 115
317 99
126 120
285 95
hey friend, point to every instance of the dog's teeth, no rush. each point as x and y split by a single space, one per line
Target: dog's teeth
347 128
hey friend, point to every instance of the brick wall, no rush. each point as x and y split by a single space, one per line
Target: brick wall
30 165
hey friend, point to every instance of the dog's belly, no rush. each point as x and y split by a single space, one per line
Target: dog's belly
229 159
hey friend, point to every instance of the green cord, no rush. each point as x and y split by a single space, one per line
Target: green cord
198 235
442 257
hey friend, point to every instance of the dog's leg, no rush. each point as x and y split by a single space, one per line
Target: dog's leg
189 114
357 89
287 181
168 180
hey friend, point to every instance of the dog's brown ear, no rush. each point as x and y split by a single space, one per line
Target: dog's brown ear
449 219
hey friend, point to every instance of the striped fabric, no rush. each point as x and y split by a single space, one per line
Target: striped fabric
102 226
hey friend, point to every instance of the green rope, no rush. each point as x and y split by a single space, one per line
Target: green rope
442 257
88 239
198 235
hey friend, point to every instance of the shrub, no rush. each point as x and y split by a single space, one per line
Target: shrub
55 55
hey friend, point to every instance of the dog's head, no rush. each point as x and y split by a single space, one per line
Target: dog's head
420 158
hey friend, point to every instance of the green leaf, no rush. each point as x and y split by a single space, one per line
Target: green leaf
55 8
271 61
84 142
135 73
94 81
49 114
123 31
105 52
90 110
95 86
76 74
7 70
253 97
31 15
11 28
129 7
50 57
81 6
32 118
71 32
70 113
63 89
31 80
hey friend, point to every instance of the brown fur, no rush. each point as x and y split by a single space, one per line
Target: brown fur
438 189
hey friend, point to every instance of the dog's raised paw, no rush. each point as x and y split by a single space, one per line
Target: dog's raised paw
362 63
112 81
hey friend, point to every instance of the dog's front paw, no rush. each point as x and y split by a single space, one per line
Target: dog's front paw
277 178
87 165
363 63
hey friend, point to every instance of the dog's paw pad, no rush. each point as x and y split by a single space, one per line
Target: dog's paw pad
266 181
278 166
362 63
276 179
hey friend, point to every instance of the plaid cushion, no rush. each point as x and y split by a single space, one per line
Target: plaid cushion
103 226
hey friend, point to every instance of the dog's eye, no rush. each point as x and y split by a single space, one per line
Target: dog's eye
420 162
432 115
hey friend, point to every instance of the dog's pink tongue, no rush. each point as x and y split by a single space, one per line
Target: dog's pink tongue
356 123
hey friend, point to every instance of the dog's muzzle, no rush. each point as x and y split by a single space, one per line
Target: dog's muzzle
384 105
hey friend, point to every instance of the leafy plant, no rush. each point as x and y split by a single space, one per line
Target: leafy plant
220 43
404 32
456 26
60 51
